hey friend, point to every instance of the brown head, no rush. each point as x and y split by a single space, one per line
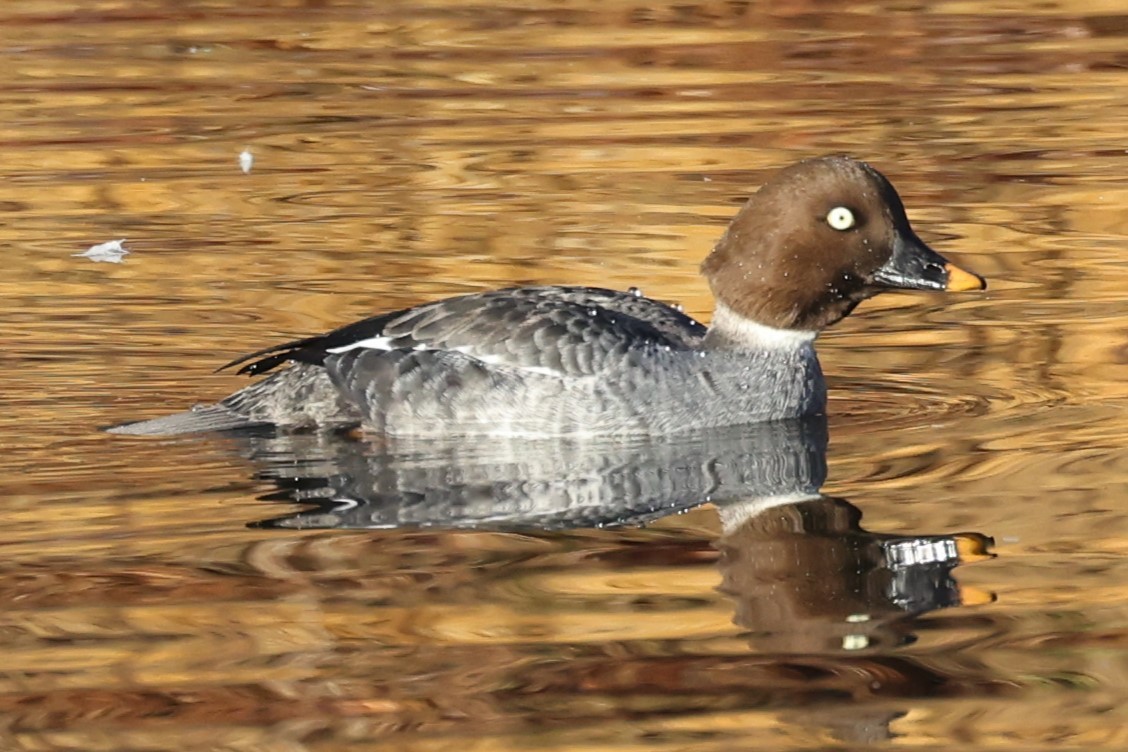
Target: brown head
819 238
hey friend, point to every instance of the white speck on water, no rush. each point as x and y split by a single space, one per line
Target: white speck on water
246 160
111 252
707 179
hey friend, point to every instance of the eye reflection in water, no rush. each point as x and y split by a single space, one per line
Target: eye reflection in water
822 601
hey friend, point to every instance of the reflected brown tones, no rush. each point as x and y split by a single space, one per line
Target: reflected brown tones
808 579
405 151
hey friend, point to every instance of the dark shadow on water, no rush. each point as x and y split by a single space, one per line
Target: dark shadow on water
827 606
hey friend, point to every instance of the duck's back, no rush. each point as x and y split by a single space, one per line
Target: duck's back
533 360
569 331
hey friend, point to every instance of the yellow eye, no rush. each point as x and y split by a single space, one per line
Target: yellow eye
840 218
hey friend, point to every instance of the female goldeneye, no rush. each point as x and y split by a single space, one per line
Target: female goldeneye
819 238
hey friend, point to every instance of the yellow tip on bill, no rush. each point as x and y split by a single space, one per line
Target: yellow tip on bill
962 281
972 547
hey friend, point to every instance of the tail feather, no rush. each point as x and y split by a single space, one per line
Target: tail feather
301 396
197 420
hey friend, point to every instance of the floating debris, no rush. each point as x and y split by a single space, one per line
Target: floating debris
246 161
111 252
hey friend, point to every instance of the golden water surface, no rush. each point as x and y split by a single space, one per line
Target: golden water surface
409 150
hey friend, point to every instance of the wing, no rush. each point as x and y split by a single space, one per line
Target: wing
558 330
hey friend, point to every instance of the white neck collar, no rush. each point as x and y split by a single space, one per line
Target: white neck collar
731 326
735 514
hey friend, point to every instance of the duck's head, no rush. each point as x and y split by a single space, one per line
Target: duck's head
817 239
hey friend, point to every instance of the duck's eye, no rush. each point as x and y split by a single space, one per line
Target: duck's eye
840 218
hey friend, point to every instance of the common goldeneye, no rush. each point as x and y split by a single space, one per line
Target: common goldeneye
808 246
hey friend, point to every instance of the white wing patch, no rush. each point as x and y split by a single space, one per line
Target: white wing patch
372 343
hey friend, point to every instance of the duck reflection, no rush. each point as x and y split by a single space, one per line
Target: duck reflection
803 573
506 485
823 603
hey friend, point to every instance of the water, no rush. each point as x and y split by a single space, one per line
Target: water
404 151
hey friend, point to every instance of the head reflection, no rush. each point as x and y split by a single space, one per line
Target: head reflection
806 578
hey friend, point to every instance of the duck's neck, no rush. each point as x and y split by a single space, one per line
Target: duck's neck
731 331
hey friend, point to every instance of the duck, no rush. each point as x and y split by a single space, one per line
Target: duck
818 238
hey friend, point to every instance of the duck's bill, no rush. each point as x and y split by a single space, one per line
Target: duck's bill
915 266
